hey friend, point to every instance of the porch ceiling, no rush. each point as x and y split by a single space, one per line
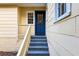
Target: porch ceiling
26 4
32 4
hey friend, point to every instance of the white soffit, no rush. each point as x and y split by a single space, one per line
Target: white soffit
31 4
26 4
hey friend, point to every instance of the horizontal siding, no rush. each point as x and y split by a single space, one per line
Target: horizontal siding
77 26
63 44
63 36
66 27
8 44
8 29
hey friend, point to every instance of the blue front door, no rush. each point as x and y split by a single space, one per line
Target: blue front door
39 22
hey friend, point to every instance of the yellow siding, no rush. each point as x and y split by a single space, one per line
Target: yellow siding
8 28
23 19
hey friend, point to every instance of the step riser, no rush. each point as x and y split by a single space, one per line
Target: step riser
38 38
38 55
38 44
38 41
38 49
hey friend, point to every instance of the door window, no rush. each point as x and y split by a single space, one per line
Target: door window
40 18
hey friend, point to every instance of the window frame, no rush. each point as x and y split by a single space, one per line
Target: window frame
66 14
33 17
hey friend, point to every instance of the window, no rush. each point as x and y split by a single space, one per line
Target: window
30 18
62 10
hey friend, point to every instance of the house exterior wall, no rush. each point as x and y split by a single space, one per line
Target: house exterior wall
63 36
23 19
8 28
13 25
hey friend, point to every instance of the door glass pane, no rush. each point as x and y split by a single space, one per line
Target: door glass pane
40 18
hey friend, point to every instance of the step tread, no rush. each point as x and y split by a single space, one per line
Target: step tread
38 46
38 42
37 55
38 52
39 39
